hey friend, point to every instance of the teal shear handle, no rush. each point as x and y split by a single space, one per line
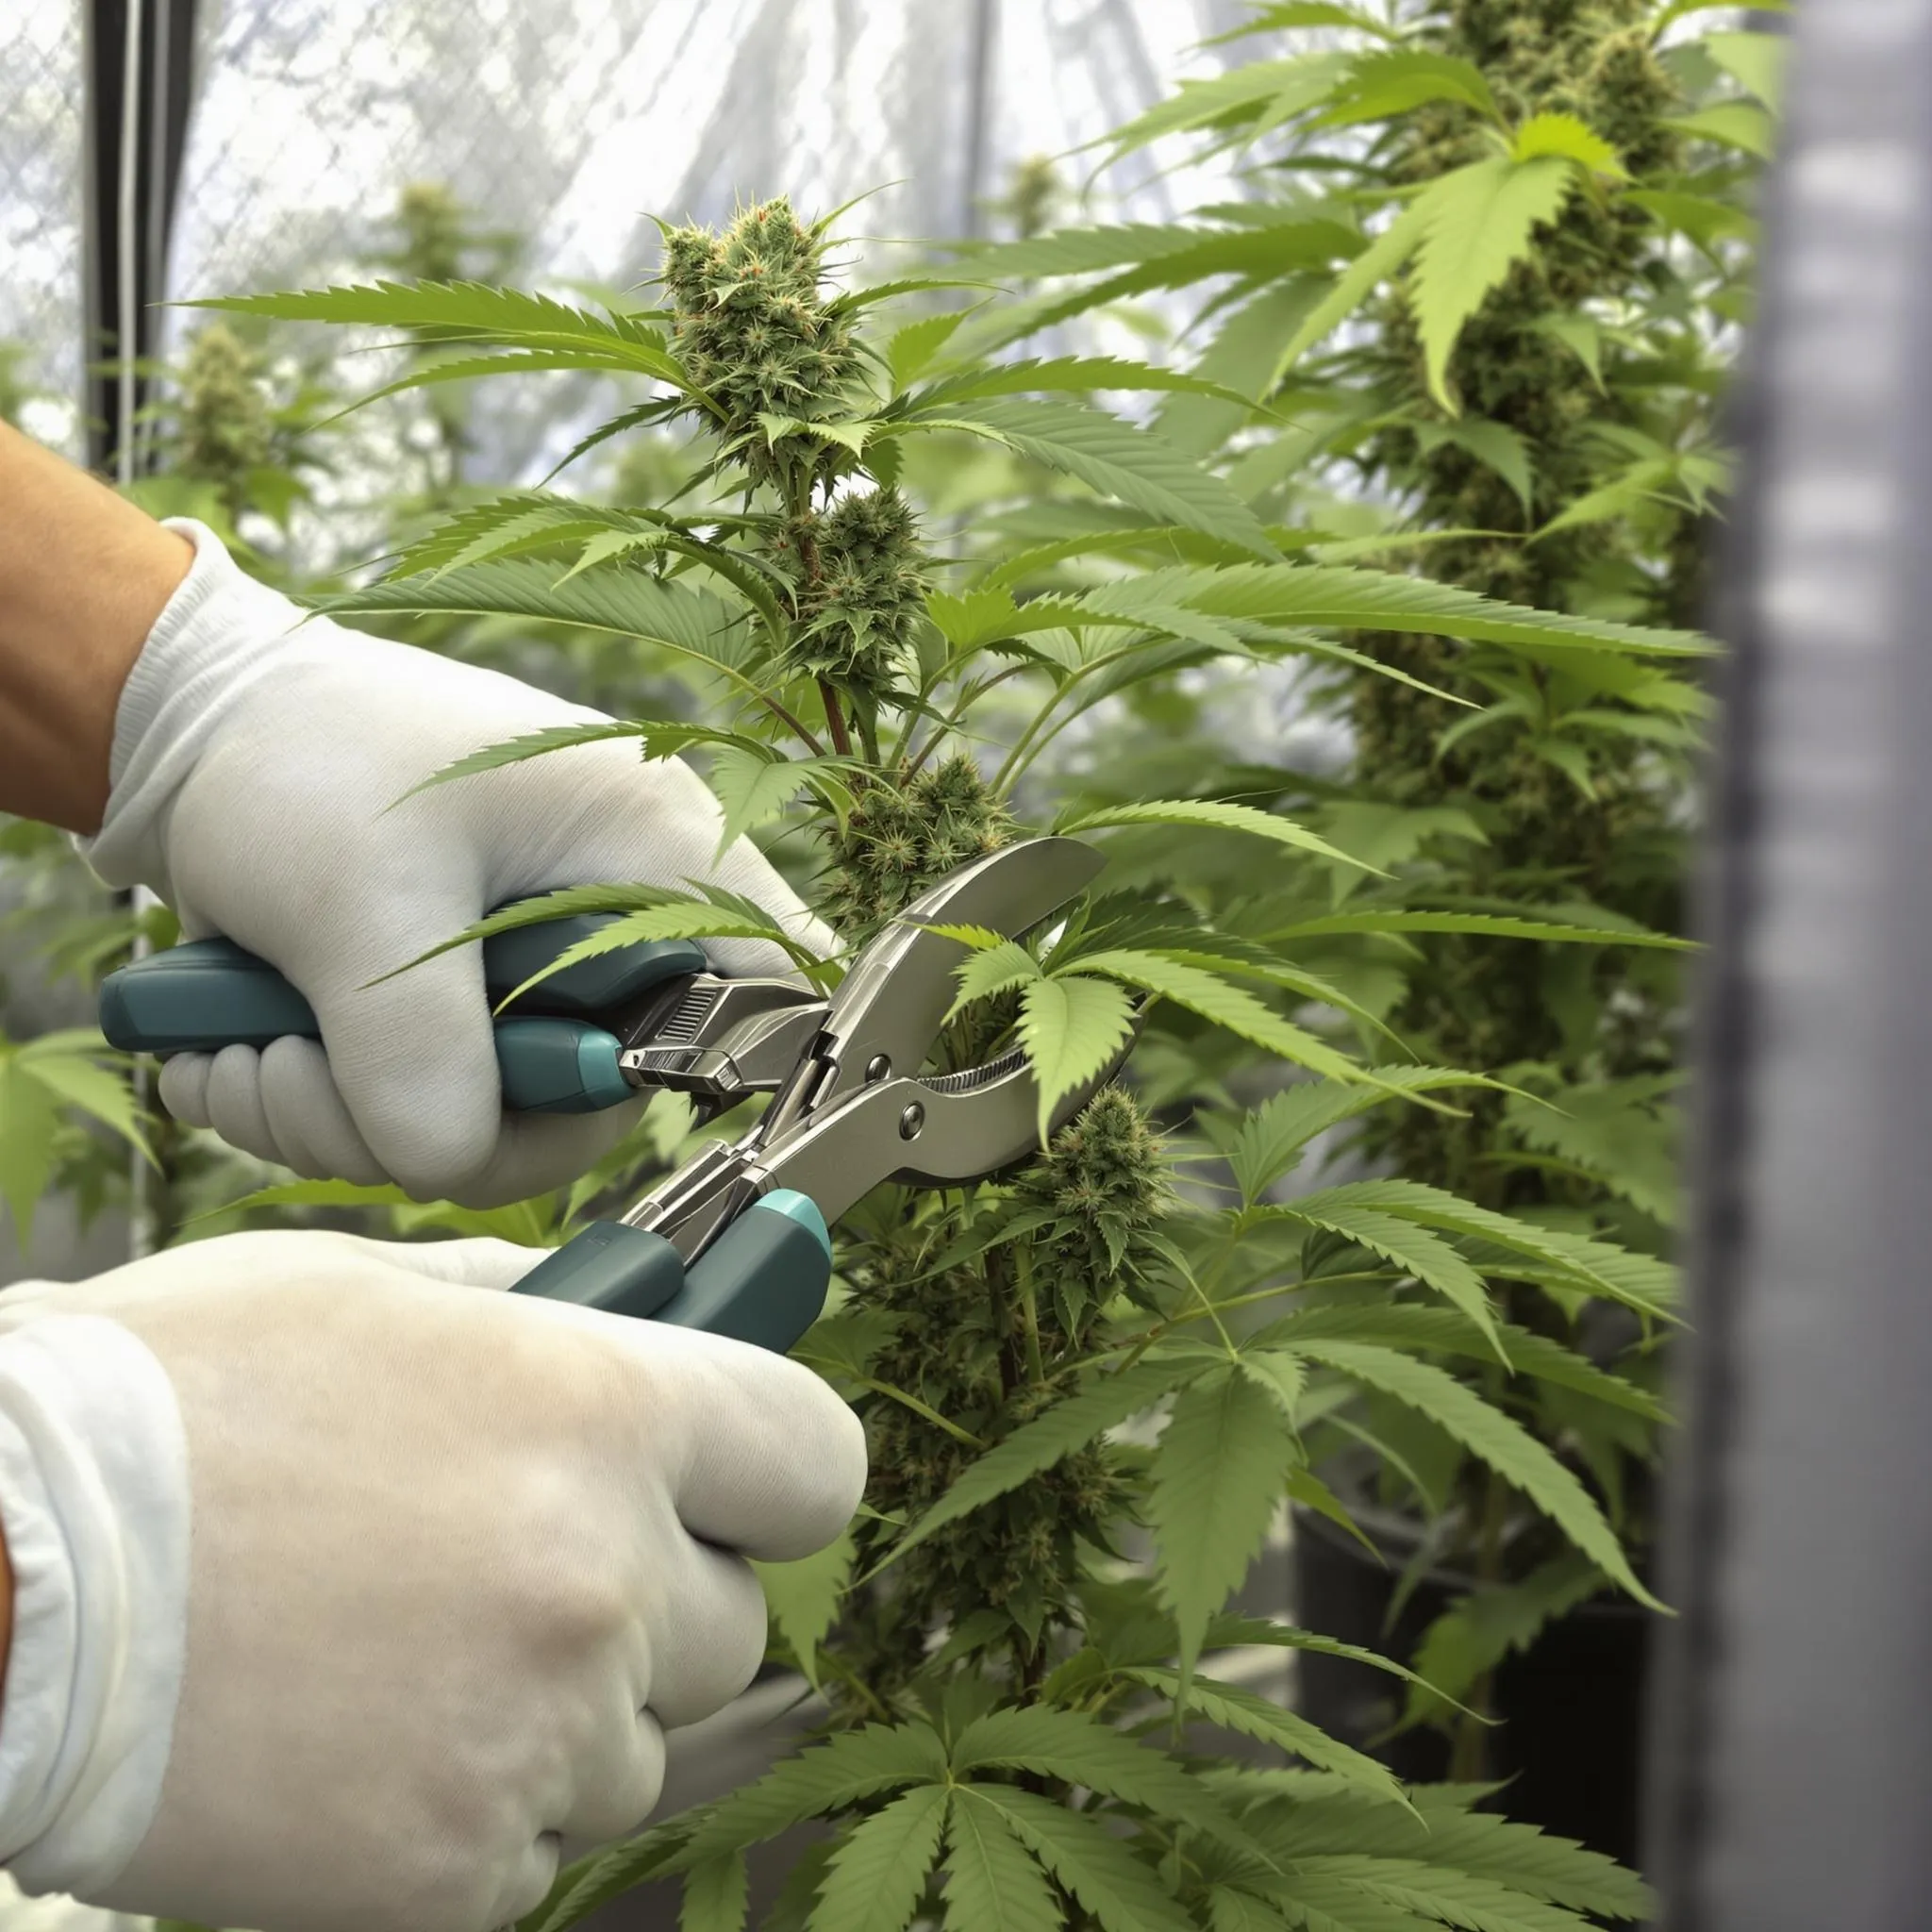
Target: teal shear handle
554 1055
763 1280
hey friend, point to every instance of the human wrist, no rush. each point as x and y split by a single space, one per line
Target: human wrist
82 575
216 636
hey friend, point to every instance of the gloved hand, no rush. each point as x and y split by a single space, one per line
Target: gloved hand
344 1592
254 767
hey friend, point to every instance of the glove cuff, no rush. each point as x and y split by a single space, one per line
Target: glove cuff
94 1499
215 637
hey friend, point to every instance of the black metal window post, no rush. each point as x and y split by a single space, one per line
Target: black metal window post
139 70
139 63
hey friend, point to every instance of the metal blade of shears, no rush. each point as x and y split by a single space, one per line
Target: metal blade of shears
857 1111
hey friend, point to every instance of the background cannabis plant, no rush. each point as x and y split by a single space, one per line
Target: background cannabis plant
1483 301
1092 1384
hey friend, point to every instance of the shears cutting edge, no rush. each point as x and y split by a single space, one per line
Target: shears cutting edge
736 1240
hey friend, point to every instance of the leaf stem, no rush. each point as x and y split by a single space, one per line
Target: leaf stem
1029 1317
830 1661
1147 1337
923 1410
1032 743
791 723
967 699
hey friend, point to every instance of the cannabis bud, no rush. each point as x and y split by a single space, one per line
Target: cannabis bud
904 832
759 335
859 590
435 230
1105 1183
224 432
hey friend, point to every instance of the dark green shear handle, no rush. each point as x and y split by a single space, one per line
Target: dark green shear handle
763 1280
553 1058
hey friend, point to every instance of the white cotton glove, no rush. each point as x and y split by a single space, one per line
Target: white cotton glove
254 767
344 1593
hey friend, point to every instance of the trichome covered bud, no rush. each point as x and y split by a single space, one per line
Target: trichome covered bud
1104 1180
757 333
903 831
860 591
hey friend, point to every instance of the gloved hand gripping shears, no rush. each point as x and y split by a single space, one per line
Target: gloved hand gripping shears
735 1242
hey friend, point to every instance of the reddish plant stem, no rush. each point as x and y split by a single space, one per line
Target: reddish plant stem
835 721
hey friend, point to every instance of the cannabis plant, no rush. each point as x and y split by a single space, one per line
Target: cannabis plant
431 236
1089 1388
1521 228
233 439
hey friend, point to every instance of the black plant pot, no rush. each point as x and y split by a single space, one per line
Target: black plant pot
1570 1706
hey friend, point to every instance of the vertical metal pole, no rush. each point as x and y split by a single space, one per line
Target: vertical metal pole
139 62
127 252
139 54
166 102
1791 1786
978 113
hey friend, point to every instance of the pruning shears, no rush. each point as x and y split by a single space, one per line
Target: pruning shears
735 1240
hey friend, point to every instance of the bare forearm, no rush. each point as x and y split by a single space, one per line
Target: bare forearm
83 575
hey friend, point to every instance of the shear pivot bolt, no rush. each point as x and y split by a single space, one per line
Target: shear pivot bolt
911 1120
878 1067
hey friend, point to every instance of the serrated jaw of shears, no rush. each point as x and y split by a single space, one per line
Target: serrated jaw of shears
887 1014
859 1110
866 1113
